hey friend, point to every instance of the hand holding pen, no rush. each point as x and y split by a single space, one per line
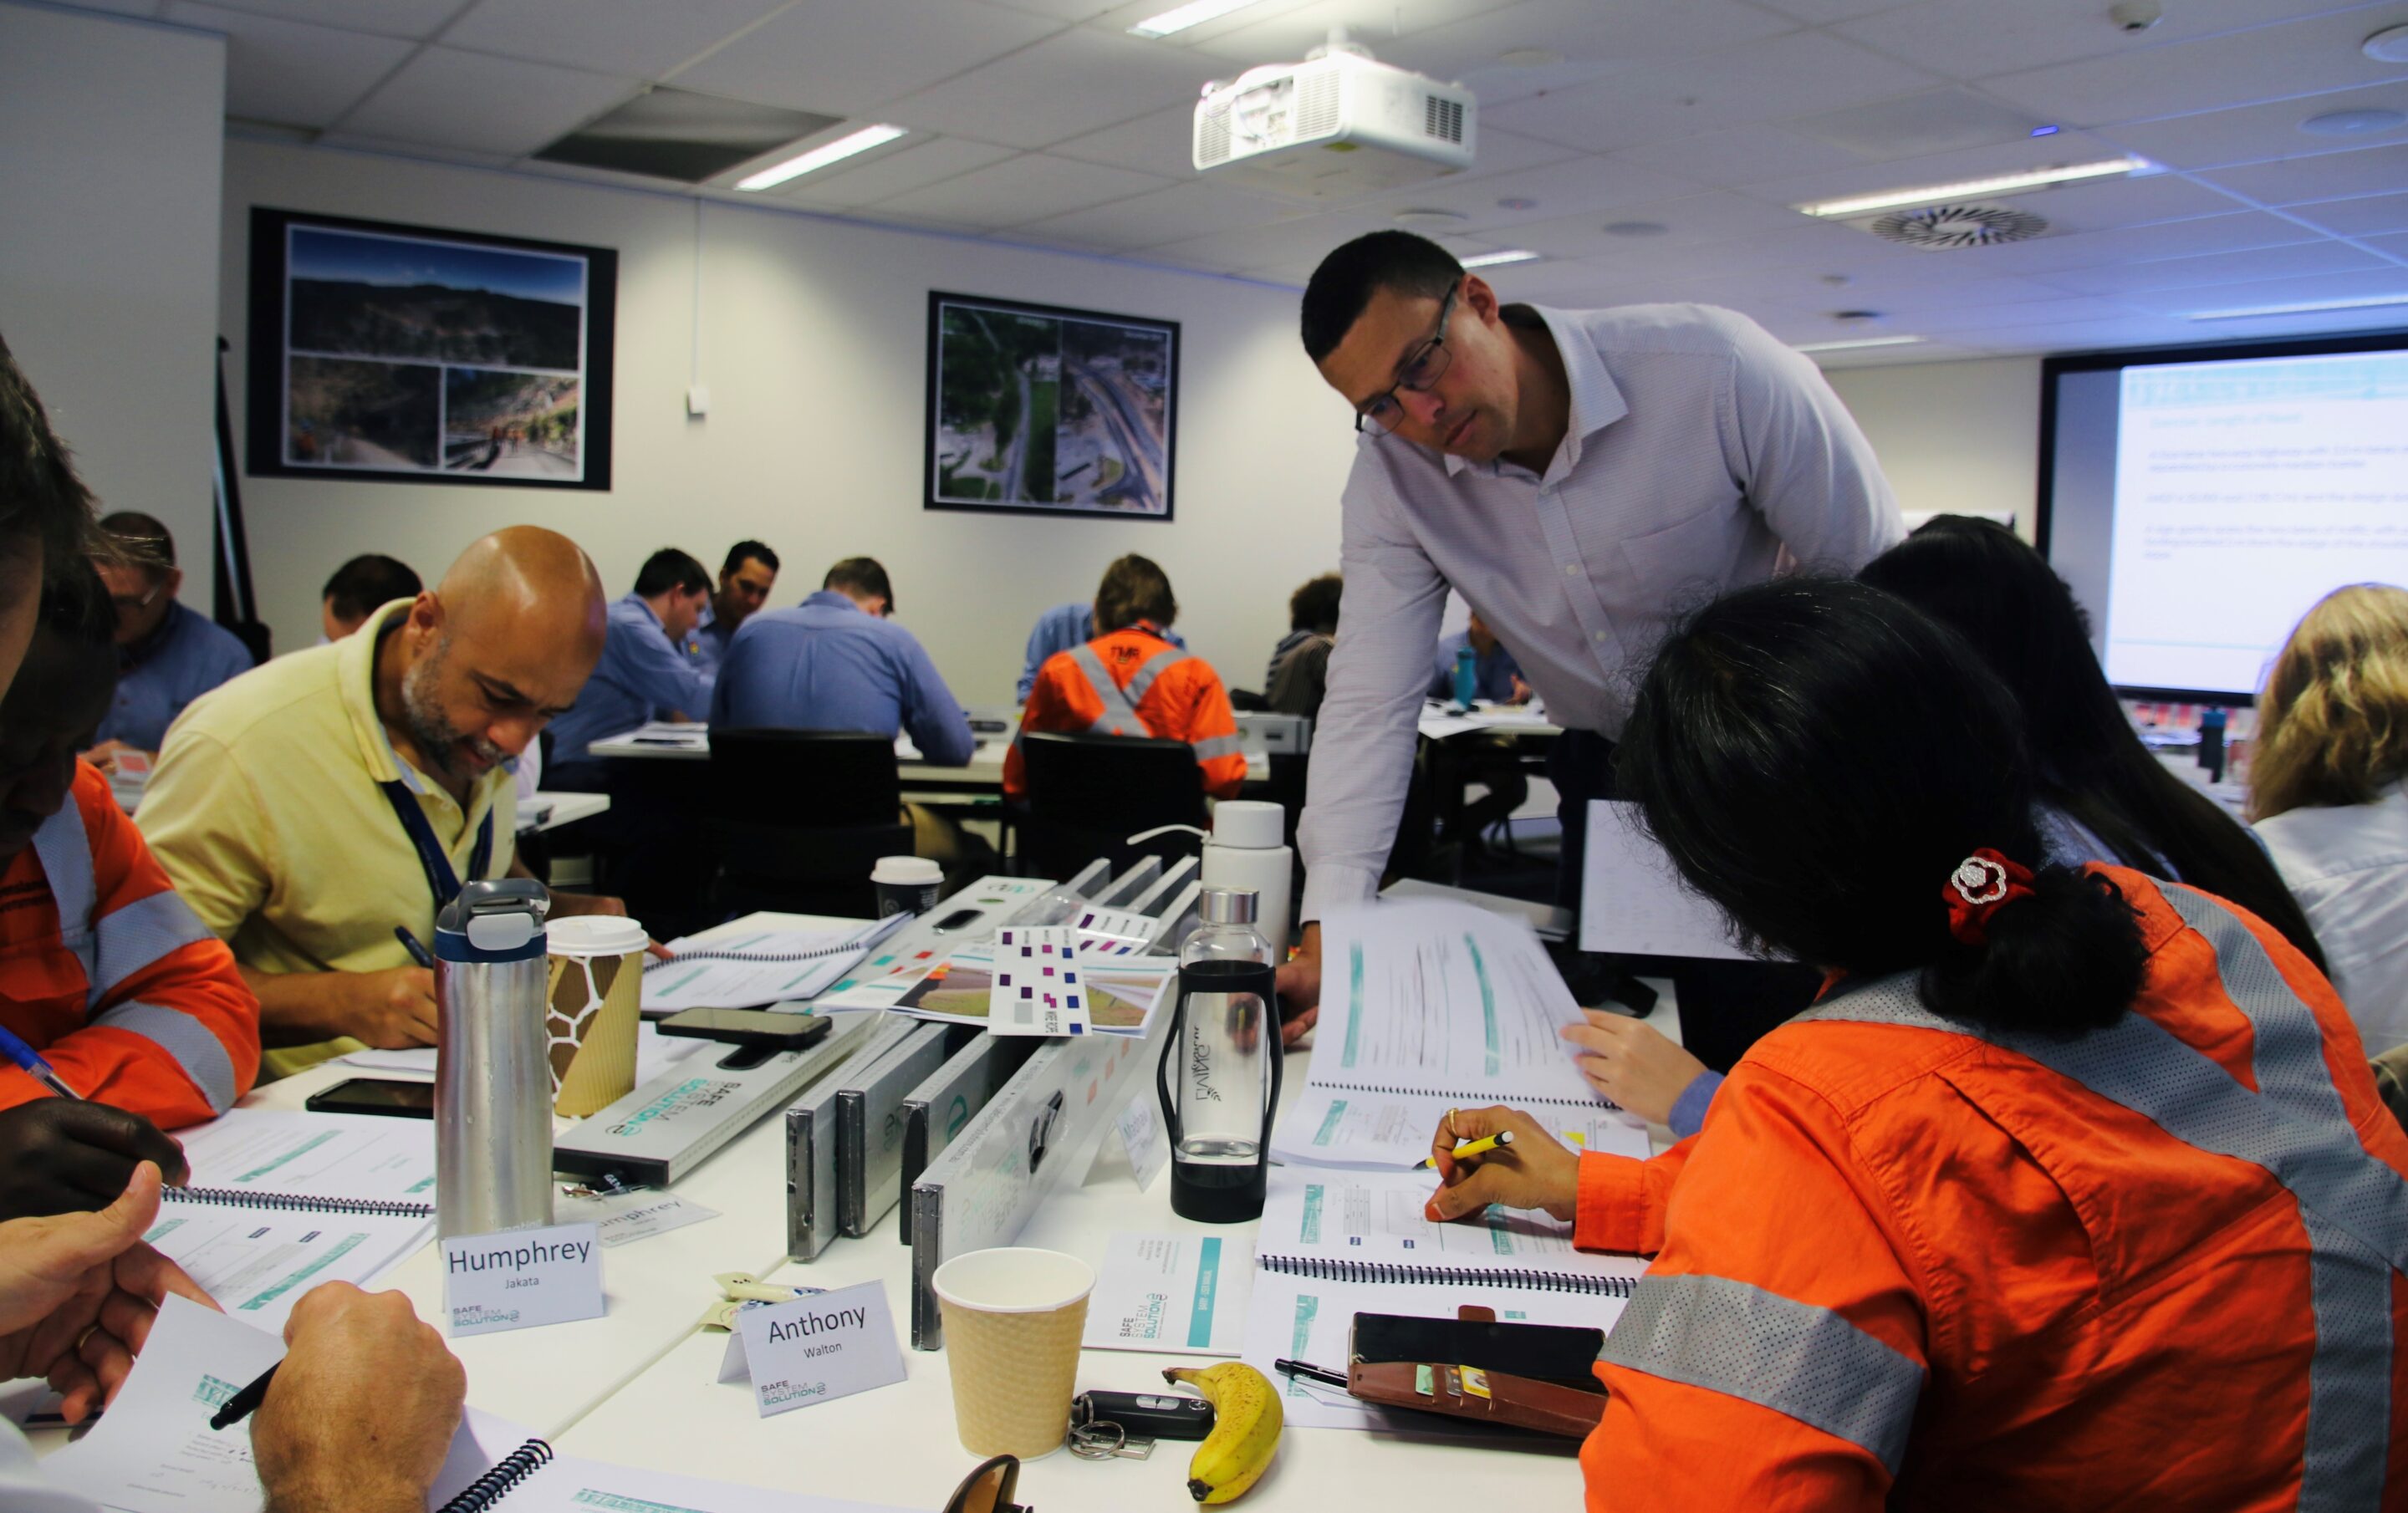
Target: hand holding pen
1502 1156
65 1154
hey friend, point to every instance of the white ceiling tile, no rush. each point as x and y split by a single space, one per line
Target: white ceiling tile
2375 214
845 57
1179 213
2196 238
1162 143
2391 245
2104 203
120 8
1743 155
1687 221
2333 323
1862 177
2327 175
1826 12
1787 76
1070 84
1970 317
1062 10
1019 190
2136 329
386 18
1924 286
1581 186
2254 133
2213 73
2375 283
448 98
642 38
1287 33
1289 242
1975 39
2303 260
1592 38
914 162
432 152
290 72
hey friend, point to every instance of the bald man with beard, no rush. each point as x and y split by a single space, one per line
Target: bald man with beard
308 806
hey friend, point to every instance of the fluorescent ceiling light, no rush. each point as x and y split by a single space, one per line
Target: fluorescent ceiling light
2001 184
820 156
1180 18
2305 307
1490 260
1854 342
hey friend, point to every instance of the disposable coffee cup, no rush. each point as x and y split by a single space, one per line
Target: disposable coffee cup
1012 1322
905 884
593 1004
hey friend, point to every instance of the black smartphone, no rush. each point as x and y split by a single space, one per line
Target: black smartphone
375 1095
1547 1352
748 1027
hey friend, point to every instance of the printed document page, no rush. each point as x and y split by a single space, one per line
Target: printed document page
655 1053
357 1156
1632 901
257 1263
1178 1294
569 1484
153 1452
762 967
1383 1132
1376 1218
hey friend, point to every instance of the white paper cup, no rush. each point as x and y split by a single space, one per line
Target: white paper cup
594 1000
1013 1318
907 884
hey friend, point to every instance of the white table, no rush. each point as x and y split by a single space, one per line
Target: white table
982 774
564 809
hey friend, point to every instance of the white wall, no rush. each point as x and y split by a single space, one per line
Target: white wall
814 335
1953 437
109 262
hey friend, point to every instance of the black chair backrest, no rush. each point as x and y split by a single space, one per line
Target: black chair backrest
802 779
1088 794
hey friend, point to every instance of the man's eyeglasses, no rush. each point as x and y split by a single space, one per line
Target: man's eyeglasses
1382 414
132 603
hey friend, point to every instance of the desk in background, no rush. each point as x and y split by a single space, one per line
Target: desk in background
548 810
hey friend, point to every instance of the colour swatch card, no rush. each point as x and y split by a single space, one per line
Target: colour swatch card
1035 989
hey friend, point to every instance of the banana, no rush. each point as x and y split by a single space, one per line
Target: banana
1245 1428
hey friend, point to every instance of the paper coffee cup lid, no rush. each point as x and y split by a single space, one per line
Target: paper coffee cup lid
593 934
906 870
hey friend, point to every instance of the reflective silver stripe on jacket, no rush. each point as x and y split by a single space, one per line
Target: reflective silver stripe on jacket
2353 1207
140 934
1120 714
1150 669
185 1038
1794 1358
65 854
1215 745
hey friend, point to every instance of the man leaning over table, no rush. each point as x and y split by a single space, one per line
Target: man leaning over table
313 805
1579 473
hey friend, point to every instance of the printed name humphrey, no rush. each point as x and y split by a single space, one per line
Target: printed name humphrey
815 1323
519 1257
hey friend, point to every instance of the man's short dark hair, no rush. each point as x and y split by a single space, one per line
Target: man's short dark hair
670 568
748 551
75 605
1413 266
141 540
860 577
367 583
1134 589
1314 605
41 499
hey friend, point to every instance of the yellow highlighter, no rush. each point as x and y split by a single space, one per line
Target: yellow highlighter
1474 1147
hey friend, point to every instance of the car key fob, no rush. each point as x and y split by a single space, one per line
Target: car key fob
1145 1415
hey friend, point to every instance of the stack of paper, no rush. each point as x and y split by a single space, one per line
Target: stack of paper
756 968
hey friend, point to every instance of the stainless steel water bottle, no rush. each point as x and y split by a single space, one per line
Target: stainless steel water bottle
493 1081
1223 1051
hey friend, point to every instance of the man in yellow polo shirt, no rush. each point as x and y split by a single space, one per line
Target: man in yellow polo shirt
308 807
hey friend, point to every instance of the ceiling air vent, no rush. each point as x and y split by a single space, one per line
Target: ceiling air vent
1935 228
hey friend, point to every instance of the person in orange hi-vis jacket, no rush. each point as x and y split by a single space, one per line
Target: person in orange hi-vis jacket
1130 681
2073 1190
104 970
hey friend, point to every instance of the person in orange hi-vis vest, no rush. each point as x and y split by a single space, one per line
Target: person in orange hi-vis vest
1130 681
2073 1190
104 970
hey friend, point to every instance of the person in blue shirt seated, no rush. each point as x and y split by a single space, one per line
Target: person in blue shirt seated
360 588
645 672
745 582
166 656
838 661
1067 627
1495 676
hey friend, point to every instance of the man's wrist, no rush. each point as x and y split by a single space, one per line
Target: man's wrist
360 1492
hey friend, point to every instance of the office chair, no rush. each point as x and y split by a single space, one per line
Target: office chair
794 820
1088 794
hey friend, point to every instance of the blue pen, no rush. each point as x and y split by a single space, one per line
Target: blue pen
37 1068
417 952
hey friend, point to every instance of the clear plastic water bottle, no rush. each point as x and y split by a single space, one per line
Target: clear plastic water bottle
1219 1076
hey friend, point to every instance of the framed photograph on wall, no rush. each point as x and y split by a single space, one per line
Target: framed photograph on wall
409 354
1039 410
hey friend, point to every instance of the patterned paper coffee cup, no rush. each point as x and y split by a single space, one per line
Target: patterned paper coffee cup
592 1004
1012 1321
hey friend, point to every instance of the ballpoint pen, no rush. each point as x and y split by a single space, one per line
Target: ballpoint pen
37 1068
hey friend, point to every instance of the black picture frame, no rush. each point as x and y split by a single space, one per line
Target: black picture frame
382 380
1124 442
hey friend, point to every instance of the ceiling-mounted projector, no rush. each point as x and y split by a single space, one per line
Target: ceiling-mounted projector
1336 125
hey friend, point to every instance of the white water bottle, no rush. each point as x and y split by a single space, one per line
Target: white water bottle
1248 849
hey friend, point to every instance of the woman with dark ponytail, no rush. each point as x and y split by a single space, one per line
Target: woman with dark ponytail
2071 1191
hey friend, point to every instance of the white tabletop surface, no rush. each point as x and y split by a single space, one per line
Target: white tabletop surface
566 808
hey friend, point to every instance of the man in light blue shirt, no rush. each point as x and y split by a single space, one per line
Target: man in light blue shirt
645 672
1067 627
166 654
745 582
836 661
1496 676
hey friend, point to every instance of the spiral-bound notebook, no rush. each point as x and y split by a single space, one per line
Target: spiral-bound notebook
1336 1243
744 969
496 1466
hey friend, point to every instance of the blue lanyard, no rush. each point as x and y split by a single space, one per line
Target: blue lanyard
440 879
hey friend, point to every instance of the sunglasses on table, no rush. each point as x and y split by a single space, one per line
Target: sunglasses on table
990 1489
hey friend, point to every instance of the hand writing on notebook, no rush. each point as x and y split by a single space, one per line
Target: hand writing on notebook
362 1408
1633 1064
58 1157
78 1293
1536 1171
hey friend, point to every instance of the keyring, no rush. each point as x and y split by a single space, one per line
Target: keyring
1086 1441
